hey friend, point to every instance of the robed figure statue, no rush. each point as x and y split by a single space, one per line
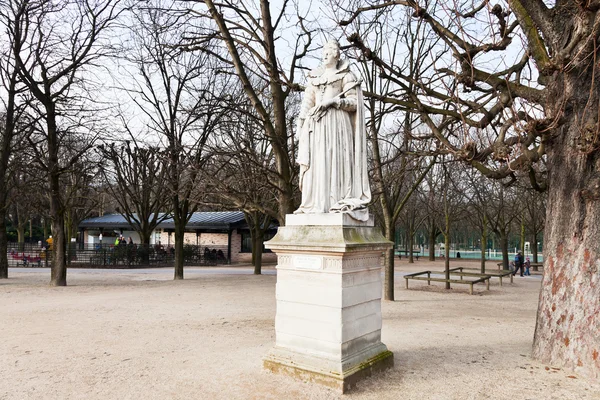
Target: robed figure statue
332 149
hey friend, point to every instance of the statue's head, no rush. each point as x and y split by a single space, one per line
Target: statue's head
331 52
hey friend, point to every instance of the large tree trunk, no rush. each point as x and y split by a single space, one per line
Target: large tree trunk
447 257
432 237
567 332
411 242
179 233
21 234
258 238
483 249
388 263
58 275
504 249
45 230
3 245
534 249
522 237
3 235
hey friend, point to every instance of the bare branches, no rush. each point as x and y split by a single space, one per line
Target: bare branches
463 101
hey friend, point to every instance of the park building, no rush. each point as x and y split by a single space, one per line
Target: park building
225 232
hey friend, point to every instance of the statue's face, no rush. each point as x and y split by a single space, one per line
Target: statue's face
331 55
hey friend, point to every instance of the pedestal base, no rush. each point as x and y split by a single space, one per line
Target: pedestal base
288 363
328 321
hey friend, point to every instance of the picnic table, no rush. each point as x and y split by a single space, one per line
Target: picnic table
417 276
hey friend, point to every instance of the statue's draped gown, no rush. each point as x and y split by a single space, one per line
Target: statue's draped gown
332 146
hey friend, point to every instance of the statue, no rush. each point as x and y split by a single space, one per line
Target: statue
332 149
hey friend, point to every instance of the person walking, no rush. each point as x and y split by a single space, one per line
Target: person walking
518 263
527 265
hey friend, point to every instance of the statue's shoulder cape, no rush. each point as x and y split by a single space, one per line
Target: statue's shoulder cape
317 77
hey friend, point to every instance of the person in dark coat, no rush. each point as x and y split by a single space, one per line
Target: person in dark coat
519 261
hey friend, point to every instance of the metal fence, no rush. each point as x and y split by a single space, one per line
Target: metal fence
116 256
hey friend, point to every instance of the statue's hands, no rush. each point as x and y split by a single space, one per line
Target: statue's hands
319 110
333 102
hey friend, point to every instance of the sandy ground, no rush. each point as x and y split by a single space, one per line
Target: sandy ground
122 334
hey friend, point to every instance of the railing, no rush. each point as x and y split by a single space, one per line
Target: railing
116 256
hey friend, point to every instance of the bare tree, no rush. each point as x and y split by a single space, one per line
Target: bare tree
135 178
478 197
180 94
501 212
12 116
251 38
397 166
451 202
243 175
57 44
534 204
539 105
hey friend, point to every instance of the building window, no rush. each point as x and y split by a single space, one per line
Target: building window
247 242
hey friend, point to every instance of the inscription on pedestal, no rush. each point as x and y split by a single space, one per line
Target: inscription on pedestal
307 262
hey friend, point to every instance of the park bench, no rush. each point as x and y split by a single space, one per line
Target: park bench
462 271
533 266
429 279
536 266
415 253
29 261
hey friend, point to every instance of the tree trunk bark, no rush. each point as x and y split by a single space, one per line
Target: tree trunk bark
411 234
257 249
432 236
253 254
179 233
58 273
504 249
447 257
21 234
3 245
45 230
522 238
483 248
389 265
567 332
534 249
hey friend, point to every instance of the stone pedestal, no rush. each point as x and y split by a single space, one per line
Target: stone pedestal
328 321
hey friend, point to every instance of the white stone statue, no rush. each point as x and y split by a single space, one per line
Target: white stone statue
332 150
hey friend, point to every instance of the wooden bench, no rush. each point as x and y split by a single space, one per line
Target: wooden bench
536 266
429 279
415 253
500 266
471 272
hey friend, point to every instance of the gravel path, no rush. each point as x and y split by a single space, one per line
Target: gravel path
137 334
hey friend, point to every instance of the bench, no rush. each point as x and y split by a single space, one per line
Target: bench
27 261
429 279
500 266
415 253
470 272
536 266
